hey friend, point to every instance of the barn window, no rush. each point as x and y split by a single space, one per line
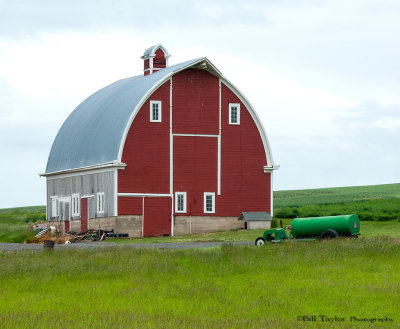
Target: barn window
234 114
54 206
155 111
75 205
100 203
180 202
209 202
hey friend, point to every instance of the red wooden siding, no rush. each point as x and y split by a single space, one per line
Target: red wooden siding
66 226
146 64
157 216
146 150
84 215
195 102
195 169
130 206
245 187
159 60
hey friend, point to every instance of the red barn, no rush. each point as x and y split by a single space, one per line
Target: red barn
176 150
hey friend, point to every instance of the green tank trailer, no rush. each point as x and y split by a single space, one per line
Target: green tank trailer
312 228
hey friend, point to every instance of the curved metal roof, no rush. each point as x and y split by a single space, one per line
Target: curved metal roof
93 132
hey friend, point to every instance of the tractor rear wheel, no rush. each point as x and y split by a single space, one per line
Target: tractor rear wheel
260 241
329 234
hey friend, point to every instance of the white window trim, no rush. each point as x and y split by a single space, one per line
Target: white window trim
54 206
159 111
230 113
176 202
212 194
73 213
99 204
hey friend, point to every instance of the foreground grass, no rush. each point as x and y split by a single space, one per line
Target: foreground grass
228 287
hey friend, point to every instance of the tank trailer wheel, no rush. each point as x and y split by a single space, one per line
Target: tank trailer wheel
260 241
329 234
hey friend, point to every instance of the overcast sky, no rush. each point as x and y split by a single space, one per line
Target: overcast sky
324 77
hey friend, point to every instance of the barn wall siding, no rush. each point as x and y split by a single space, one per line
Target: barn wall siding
195 102
195 110
84 184
146 150
245 186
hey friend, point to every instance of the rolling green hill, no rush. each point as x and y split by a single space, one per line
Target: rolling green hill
373 202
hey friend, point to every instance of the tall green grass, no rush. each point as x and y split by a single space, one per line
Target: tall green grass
228 287
15 223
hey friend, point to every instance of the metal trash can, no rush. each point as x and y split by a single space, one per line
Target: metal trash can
48 244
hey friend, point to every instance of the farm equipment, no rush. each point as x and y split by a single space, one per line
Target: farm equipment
312 228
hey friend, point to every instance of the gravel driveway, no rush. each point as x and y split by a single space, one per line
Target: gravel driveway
94 245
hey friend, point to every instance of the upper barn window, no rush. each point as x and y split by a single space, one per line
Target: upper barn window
155 111
234 114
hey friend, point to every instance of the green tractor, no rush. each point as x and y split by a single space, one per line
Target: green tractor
312 228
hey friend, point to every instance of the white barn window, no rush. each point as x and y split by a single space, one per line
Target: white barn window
180 202
209 202
100 203
155 111
234 113
75 205
54 206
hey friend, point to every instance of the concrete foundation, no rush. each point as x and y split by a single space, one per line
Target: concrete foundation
182 224
201 224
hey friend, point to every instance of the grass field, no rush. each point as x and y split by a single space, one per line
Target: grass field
376 202
224 287
15 222
283 285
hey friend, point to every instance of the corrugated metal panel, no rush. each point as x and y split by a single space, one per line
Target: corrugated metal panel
93 132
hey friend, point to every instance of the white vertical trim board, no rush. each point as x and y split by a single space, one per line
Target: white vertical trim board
272 192
171 157
142 216
219 139
116 192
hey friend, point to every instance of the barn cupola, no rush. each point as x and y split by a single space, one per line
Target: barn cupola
155 58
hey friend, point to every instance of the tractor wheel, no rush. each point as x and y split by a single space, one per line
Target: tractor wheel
260 241
329 234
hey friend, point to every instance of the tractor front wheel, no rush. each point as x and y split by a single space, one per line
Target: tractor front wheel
260 241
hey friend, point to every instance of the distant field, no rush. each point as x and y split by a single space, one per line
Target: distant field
377 202
335 195
15 222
